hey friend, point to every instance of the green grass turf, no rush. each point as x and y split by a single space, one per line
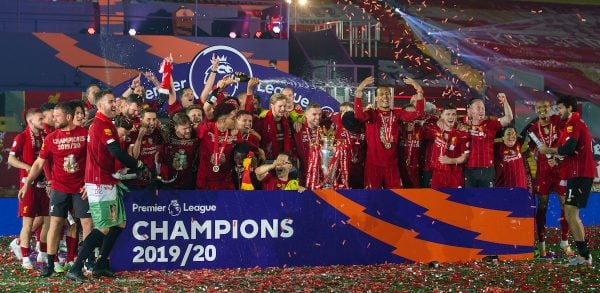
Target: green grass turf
540 275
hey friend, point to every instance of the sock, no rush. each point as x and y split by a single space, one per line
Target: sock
540 221
38 234
107 245
71 248
564 226
582 248
90 242
51 261
92 257
43 247
25 251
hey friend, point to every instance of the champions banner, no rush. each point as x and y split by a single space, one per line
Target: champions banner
232 229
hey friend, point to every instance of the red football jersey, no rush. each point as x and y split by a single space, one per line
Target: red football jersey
174 108
101 163
151 145
482 144
410 147
206 154
453 144
179 160
26 147
263 127
303 140
510 169
548 134
581 163
382 131
67 150
271 182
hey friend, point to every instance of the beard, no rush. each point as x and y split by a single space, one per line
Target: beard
61 125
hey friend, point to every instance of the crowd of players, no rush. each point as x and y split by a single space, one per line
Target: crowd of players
72 156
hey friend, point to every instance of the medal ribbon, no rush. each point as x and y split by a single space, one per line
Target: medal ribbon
346 134
387 128
218 152
549 142
314 160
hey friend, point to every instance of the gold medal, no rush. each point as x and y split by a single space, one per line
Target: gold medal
388 145
216 169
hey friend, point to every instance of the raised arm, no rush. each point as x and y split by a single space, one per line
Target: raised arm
359 111
134 149
211 79
262 170
249 104
134 83
508 114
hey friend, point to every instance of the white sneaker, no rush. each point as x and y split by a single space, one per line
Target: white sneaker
579 260
16 249
42 257
27 263
62 247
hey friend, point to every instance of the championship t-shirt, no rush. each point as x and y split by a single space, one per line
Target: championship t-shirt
67 151
179 162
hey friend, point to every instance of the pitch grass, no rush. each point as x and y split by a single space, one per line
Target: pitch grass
539 275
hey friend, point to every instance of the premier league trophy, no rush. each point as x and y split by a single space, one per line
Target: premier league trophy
329 166
334 161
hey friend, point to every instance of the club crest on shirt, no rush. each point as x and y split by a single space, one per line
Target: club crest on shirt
569 128
107 132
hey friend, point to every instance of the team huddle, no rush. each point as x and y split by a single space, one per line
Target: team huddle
73 156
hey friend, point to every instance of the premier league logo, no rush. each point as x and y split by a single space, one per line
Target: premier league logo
174 208
230 61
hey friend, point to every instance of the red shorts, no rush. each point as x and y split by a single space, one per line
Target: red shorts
205 184
562 188
410 176
546 184
382 177
356 176
35 203
447 179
